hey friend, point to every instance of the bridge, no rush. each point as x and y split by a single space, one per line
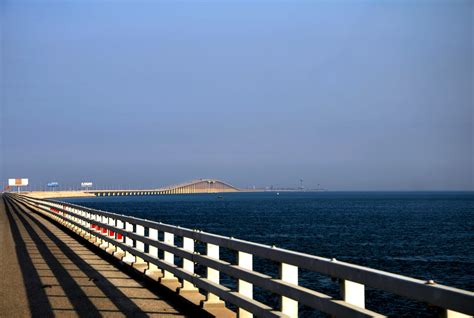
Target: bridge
195 186
191 187
71 252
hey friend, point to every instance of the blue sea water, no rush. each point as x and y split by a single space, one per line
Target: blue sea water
426 235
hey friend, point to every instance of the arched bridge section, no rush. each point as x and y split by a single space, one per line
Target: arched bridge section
195 186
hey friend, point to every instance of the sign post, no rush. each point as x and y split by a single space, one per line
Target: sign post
53 185
86 185
18 182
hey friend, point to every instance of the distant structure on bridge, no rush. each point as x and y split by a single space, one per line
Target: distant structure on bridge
195 186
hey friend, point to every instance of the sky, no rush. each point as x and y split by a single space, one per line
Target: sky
351 95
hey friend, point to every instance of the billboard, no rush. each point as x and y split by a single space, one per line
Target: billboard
53 184
18 182
86 184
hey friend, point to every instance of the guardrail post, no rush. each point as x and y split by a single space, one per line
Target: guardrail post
353 293
245 260
91 227
169 257
214 276
446 313
73 219
140 263
78 230
119 236
153 271
96 239
105 244
140 245
188 265
83 223
76 220
112 223
87 225
105 220
67 215
61 220
112 248
129 258
119 253
289 274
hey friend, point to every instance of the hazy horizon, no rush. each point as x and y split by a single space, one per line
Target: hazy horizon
351 95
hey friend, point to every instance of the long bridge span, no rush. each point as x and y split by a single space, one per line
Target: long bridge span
190 187
195 186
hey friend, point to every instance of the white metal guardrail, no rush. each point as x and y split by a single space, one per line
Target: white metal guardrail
125 237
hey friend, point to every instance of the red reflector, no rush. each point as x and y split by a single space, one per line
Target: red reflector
111 233
104 230
92 226
119 236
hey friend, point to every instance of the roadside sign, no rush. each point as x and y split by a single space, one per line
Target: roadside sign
86 184
53 184
18 182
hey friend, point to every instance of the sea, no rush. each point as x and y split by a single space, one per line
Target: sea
424 235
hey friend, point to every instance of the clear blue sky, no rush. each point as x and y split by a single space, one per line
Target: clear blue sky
352 95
